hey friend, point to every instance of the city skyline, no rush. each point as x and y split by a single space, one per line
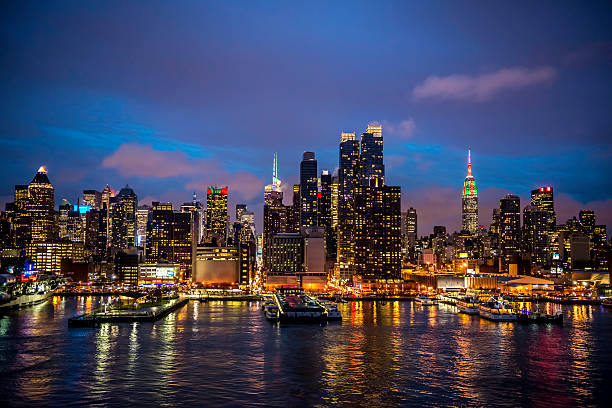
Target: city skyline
195 120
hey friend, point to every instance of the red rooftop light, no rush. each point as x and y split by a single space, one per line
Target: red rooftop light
224 190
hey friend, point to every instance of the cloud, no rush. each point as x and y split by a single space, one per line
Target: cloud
133 159
404 129
482 87
138 160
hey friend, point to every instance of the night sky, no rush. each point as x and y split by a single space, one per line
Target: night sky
170 97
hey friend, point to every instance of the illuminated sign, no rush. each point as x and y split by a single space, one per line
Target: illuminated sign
82 209
164 272
463 255
556 257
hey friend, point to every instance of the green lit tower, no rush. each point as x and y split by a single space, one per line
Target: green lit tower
469 201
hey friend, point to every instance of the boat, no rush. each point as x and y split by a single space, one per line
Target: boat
528 316
497 310
468 305
295 305
271 312
424 300
332 310
22 294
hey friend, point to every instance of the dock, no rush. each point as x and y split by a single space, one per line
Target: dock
151 314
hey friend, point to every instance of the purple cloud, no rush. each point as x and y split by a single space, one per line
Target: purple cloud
404 129
482 87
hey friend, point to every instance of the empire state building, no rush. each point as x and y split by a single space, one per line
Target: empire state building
469 198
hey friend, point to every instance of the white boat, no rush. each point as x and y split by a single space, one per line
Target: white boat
497 310
424 300
332 310
468 305
271 312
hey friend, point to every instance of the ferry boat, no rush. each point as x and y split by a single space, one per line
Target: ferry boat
295 305
497 310
468 305
271 312
24 287
424 300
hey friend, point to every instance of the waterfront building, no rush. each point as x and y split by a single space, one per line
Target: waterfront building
217 218
348 175
509 231
170 237
158 273
286 259
222 266
126 267
308 191
469 201
48 255
378 231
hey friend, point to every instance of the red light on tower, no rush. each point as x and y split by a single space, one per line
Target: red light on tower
541 189
209 191
547 188
224 190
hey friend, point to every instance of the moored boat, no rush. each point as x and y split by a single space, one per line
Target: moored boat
468 305
424 300
497 310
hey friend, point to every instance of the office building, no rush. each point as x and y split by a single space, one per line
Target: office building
217 218
123 226
509 231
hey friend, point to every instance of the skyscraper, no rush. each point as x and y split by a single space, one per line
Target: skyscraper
123 219
510 230
371 158
217 218
308 191
277 218
92 198
348 176
411 221
469 201
325 215
41 207
587 222
378 232
543 198
535 234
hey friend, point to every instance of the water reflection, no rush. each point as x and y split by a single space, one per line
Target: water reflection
226 353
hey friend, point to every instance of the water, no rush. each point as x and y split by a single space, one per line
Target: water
227 354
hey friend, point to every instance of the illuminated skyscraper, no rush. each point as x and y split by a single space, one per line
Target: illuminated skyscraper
469 201
277 217
325 215
543 198
308 191
587 222
377 235
348 176
371 157
510 230
217 218
123 219
535 234
41 207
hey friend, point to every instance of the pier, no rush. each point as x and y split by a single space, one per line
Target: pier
149 314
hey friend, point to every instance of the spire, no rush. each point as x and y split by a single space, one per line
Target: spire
274 169
469 169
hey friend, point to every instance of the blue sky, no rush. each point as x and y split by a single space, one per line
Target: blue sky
171 97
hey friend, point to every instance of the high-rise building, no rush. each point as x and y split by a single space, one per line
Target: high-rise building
325 215
240 208
217 218
510 230
543 198
535 234
377 236
41 207
142 218
371 158
411 221
92 198
308 191
334 202
587 222
123 219
469 201
348 176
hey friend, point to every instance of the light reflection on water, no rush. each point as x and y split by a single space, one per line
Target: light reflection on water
226 353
